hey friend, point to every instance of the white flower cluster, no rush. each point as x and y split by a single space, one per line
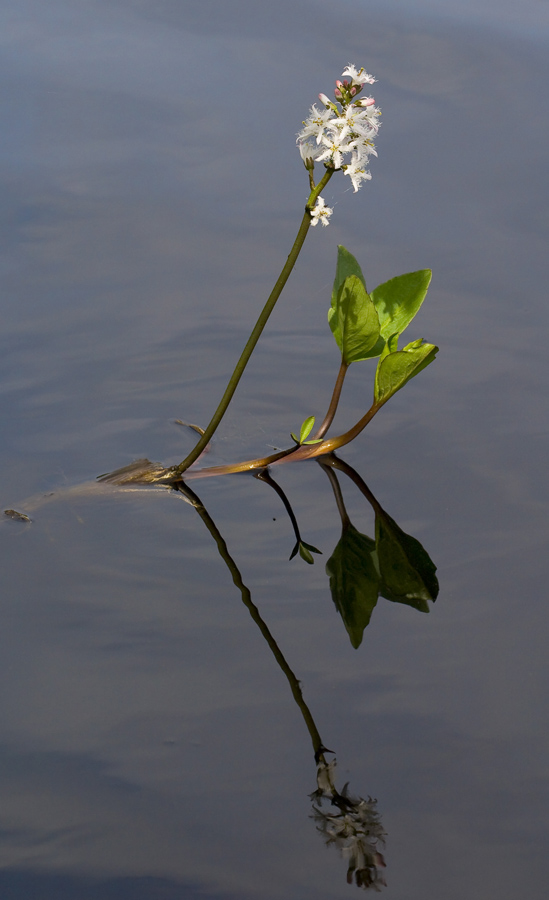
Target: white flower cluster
341 135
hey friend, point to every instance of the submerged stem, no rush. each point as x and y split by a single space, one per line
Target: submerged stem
258 328
291 455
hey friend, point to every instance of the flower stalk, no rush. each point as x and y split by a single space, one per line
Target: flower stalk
341 137
306 223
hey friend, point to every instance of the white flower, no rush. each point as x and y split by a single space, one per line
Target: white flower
356 172
334 151
314 124
321 213
357 76
308 150
358 123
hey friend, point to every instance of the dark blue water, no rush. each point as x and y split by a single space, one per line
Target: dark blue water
150 744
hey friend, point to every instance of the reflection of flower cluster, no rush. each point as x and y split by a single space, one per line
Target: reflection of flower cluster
341 135
353 826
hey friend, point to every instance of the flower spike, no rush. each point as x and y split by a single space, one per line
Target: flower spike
341 135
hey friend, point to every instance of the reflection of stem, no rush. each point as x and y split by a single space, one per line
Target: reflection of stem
336 463
264 476
329 417
295 688
345 520
258 328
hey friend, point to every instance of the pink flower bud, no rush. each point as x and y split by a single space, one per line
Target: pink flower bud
339 84
368 101
337 92
324 99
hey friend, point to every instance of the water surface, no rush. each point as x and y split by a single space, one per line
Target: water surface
150 743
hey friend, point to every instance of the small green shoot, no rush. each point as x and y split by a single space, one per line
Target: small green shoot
304 433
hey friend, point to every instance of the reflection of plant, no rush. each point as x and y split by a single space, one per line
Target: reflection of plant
352 825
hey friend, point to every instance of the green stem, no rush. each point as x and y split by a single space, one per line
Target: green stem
259 326
329 417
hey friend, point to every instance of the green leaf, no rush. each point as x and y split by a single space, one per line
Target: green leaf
396 368
407 571
390 346
306 428
346 265
354 321
398 300
354 581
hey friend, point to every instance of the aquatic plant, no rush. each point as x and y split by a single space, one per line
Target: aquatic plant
365 325
340 137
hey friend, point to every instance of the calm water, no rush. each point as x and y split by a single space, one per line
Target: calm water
150 745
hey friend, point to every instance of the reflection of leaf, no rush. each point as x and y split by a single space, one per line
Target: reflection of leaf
398 300
354 322
407 570
395 369
354 581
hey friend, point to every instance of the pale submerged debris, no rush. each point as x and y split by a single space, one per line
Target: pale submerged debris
342 134
321 213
